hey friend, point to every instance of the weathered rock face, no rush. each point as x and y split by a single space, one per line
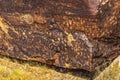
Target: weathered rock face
67 33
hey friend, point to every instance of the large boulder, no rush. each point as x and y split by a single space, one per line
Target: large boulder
74 34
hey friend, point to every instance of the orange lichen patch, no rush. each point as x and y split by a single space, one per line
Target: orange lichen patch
39 19
70 39
27 18
67 65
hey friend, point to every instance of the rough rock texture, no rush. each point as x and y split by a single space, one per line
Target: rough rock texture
67 33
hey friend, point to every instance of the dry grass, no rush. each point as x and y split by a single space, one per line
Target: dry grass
112 72
10 70
14 70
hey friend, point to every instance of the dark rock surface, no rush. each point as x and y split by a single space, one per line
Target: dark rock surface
71 34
